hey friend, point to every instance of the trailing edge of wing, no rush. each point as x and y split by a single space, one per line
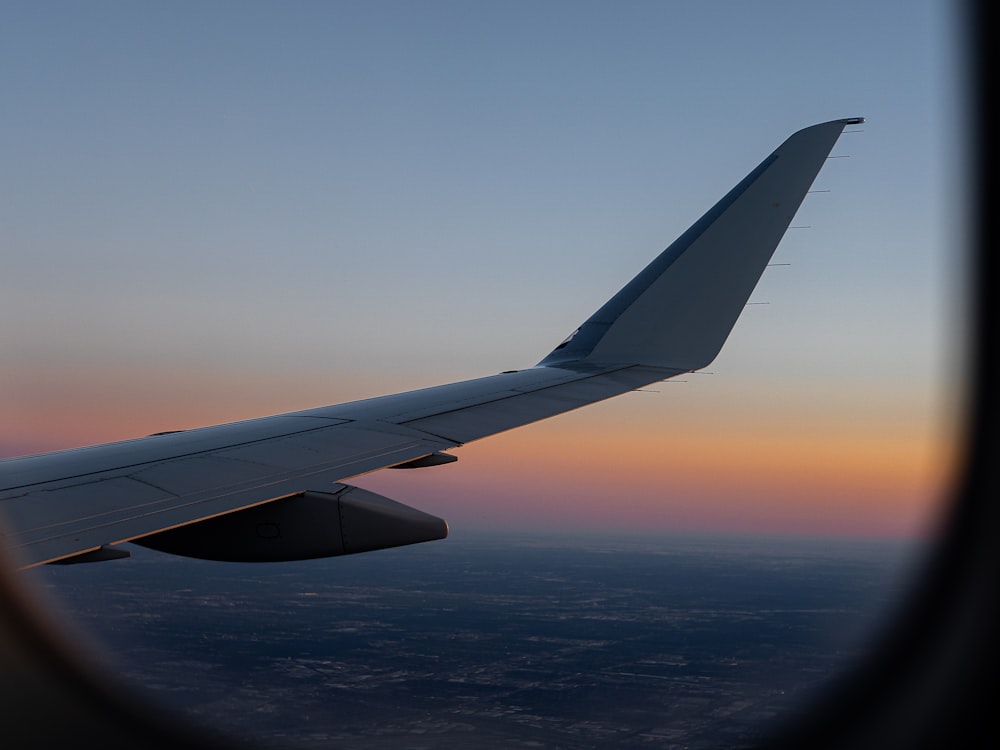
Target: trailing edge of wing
679 310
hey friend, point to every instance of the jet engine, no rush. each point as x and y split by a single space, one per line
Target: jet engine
301 527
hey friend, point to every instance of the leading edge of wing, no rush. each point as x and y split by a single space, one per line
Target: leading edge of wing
679 310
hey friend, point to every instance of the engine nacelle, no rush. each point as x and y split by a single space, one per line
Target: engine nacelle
301 527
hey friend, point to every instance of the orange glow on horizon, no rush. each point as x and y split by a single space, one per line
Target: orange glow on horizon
687 463
635 477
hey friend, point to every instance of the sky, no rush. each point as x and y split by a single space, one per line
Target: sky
218 211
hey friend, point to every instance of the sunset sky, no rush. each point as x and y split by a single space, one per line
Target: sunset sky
218 211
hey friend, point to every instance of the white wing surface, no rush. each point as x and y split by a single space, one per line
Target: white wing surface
271 488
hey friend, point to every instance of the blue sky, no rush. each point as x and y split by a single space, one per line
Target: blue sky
217 211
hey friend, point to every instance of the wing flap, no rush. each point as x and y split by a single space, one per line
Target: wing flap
500 414
78 462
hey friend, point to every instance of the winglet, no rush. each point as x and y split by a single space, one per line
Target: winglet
679 310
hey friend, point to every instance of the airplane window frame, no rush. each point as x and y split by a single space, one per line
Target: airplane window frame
922 688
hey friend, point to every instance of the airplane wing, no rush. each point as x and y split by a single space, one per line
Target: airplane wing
272 488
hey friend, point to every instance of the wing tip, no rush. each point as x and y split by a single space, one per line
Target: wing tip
688 316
